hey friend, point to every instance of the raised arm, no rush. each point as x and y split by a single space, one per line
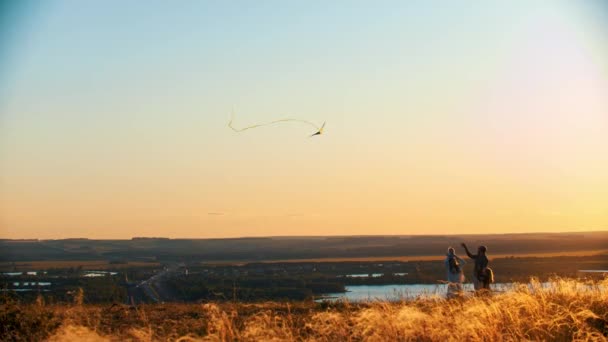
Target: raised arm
467 250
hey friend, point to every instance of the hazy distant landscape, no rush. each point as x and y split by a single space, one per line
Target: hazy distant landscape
151 270
287 248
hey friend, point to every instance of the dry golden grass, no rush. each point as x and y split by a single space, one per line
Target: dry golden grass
564 311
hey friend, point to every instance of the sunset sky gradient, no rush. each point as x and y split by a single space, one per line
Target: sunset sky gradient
443 117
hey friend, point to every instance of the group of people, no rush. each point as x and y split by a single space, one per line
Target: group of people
482 274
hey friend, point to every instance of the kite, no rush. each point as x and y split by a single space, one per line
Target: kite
238 130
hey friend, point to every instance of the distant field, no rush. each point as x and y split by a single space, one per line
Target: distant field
86 264
6 266
299 249
404 258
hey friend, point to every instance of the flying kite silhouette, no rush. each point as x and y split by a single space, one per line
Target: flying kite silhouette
238 130
320 131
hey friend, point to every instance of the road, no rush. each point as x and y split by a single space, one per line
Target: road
154 287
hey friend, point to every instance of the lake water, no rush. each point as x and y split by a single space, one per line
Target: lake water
373 275
358 293
363 275
90 274
12 274
33 283
87 274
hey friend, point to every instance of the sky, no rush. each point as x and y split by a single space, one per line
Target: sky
443 117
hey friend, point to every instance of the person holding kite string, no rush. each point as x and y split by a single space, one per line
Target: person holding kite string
482 274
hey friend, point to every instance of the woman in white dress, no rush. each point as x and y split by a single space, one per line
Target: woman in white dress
453 265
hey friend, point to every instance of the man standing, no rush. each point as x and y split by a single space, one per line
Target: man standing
481 273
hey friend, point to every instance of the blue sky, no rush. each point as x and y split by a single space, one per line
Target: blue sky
115 113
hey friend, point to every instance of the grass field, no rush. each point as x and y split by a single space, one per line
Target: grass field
104 264
564 311
405 258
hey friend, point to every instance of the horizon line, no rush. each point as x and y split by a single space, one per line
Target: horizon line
305 236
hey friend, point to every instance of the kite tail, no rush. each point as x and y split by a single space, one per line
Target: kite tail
269 123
